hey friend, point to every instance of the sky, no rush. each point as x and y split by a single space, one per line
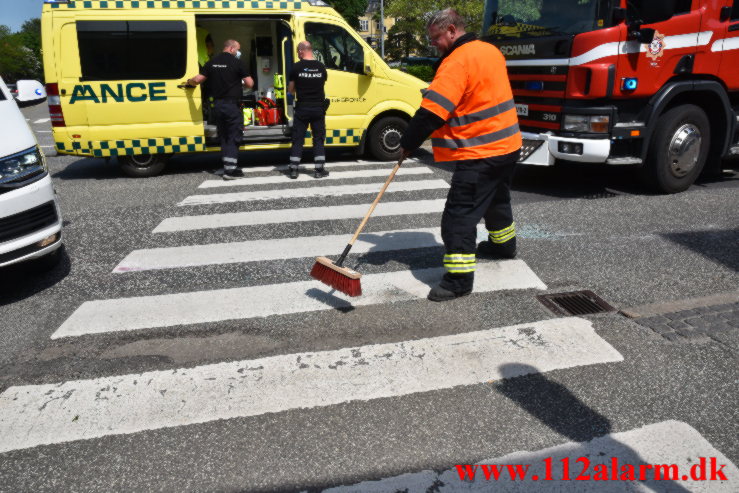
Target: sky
14 13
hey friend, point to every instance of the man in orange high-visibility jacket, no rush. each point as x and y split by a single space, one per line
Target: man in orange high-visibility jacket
468 110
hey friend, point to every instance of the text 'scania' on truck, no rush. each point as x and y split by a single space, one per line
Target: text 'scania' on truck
653 84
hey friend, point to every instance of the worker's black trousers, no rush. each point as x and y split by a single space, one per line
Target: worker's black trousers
480 189
315 117
230 122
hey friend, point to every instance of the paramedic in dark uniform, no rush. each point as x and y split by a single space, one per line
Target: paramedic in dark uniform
307 79
225 75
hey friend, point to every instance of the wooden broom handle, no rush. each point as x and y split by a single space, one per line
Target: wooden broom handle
377 201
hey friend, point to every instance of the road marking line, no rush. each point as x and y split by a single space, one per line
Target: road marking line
85 409
329 165
277 249
44 131
42 120
47 147
668 442
318 191
147 312
335 175
228 220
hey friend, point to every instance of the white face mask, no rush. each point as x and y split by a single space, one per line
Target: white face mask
238 54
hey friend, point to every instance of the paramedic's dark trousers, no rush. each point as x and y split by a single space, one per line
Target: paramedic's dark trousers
230 122
480 189
315 117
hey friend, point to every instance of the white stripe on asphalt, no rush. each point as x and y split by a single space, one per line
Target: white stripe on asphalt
668 442
42 120
147 312
333 191
335 175
85 409
283 248
328 165
228 220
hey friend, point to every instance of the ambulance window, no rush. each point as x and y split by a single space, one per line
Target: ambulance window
2 95
335 48
125 50
735 11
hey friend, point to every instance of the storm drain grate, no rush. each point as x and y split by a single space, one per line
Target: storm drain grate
575 303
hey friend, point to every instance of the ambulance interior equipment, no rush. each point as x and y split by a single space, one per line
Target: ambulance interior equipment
267 108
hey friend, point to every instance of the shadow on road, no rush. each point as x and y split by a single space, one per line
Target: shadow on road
717 245
21 281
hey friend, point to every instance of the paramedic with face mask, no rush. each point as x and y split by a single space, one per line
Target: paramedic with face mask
225 75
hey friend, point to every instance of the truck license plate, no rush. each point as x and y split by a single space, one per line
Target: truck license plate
522 109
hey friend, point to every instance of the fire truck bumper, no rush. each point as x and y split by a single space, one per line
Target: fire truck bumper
543 149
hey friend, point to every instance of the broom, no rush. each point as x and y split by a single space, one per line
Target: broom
341 278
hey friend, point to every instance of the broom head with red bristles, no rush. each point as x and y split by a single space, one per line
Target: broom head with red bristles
340 278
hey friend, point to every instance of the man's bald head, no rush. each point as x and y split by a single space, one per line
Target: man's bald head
305 50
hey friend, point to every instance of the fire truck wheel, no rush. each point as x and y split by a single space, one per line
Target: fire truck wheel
142 165
679 149
384 138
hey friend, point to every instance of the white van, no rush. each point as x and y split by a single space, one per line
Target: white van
30 220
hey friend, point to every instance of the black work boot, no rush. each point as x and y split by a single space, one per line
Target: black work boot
293 173
320 173
441 294
490 250
233 174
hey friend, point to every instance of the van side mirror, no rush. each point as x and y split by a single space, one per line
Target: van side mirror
368 63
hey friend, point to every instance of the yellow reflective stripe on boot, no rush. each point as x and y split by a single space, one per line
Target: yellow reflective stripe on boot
460 263
503 235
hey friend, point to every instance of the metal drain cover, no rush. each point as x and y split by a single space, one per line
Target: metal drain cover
575 303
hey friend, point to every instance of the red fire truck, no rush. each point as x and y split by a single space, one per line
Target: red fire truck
649 83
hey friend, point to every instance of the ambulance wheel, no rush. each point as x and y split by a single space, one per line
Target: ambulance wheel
384 138
142 165
678 150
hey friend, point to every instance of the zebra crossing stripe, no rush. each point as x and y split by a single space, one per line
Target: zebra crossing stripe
318 191
335 175
168 310
277 249
85 409
329 165
668 442
252 218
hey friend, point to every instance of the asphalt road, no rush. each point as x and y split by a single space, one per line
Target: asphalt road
603 385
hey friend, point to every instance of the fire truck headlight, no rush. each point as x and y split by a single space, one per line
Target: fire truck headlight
577 123
598 124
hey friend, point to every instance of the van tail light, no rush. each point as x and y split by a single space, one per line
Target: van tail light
55 105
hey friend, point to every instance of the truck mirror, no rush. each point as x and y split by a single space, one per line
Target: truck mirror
643 35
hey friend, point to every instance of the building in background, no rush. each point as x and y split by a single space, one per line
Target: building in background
369 24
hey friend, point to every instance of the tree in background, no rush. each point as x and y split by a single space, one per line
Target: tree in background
20 53
415 14
351 10
402 41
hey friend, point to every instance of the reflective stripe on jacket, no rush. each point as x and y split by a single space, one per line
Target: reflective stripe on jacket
472 93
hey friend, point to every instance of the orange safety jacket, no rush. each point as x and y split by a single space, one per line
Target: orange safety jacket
472 94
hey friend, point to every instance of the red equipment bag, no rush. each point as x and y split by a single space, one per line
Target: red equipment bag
268 113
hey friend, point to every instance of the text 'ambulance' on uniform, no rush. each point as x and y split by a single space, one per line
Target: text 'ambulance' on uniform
307 81
469 113
225 75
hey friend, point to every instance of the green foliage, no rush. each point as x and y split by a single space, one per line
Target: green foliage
20 53
401 42
411 17
351 10
423 72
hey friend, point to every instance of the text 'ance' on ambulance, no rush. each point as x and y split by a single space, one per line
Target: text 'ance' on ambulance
116 72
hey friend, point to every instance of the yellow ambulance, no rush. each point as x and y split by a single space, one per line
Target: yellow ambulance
116 72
